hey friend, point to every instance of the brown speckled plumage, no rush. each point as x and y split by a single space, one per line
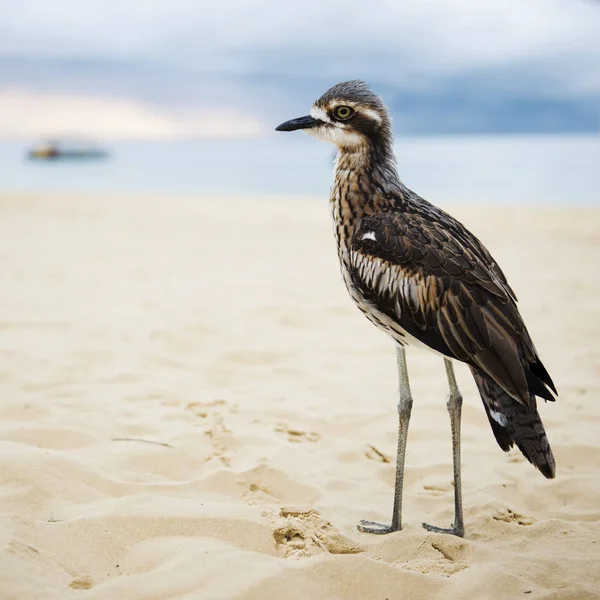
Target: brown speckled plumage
463 307
421 276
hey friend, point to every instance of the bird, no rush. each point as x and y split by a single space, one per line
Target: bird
422 277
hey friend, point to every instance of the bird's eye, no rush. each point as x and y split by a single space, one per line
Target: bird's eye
344 112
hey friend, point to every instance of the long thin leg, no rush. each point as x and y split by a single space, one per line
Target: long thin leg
454 408
404 410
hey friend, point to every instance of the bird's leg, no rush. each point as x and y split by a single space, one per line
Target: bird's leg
404 409
454 408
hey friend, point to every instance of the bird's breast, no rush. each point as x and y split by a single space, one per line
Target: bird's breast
344 222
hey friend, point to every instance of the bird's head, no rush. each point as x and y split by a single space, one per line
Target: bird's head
349 115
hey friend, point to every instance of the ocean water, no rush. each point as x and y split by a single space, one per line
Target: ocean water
478 169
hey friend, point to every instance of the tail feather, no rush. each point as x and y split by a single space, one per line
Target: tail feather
537 387
515 423
539 371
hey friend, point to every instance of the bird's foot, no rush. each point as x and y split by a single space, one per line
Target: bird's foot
376 528
454 530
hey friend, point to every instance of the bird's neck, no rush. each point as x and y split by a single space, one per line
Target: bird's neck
365 183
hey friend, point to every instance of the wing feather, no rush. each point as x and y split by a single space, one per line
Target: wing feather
446 291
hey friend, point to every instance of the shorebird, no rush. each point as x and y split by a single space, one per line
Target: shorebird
421 276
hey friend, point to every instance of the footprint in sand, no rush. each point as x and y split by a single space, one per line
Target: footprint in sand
203 409
296 435
260 495
82 583
508 516
439 489
377 455
305 533
213 422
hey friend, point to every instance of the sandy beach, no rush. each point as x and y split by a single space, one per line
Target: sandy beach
191 407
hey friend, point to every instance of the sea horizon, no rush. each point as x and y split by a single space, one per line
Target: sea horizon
497 169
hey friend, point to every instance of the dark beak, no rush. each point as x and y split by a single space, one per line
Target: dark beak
301 123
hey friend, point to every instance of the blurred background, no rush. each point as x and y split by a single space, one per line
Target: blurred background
495 101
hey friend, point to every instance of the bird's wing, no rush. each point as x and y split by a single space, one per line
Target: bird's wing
439 288
431 213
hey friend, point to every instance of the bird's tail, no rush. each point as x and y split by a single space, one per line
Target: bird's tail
515 423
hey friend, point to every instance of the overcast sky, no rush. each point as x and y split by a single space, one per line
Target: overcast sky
173 68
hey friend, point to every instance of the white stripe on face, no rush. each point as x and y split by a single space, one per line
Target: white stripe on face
372 114
319 114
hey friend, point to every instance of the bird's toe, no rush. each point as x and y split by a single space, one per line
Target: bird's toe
459 531
376 528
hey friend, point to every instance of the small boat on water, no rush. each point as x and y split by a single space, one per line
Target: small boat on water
55 151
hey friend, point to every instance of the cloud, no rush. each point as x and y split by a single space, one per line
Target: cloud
254 56
24 114
415 42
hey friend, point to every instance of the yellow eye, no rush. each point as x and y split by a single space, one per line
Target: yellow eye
344 112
